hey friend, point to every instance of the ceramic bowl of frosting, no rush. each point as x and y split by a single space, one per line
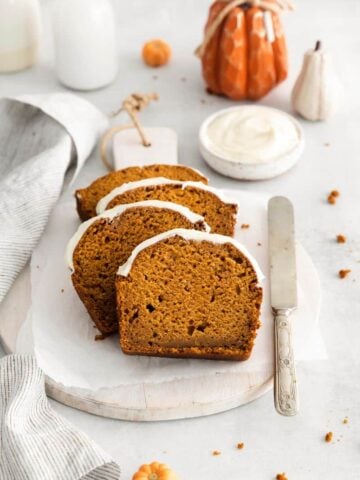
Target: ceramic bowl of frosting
251 142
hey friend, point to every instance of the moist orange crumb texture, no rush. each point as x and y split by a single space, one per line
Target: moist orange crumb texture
240 446
281 476
87 198
341 238
105 245
189 299
219 215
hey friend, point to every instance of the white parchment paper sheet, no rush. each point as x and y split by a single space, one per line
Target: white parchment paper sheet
63 333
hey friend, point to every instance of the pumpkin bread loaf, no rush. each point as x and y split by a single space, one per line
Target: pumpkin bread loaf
87 198
186 293
217 210
103 243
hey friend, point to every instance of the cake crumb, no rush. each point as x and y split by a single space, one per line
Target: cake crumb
344 272
281 476
62 290
245 225
329 437
334 194
341 238
240 446
327 144
155 77
259 244
345 421
216 453
100 336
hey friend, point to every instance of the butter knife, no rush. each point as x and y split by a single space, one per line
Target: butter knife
283 295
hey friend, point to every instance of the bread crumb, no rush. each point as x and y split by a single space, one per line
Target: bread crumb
100 336
329 437
334 194
341 238
240 446
245 225
216 453
344 273
346 420
281 476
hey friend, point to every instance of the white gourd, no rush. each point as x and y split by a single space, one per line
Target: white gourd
317 91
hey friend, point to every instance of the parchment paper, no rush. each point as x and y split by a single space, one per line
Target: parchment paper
63 334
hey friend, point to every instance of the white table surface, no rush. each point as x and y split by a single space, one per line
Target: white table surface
329 390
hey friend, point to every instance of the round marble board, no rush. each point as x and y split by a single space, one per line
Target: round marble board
217 387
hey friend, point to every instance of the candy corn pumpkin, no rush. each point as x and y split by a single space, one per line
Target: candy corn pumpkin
244 52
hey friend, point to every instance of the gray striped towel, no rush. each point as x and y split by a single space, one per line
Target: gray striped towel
35 442
40 136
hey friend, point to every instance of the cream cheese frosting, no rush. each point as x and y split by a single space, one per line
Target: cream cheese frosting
148 182
118 210
195 235
252 134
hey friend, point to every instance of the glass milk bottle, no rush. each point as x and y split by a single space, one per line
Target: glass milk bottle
19 34
85 43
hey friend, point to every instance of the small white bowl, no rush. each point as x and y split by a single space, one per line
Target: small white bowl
245 171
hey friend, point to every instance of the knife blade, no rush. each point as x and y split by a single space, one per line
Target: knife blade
283 296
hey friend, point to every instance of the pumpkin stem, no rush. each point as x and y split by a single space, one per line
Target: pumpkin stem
317 46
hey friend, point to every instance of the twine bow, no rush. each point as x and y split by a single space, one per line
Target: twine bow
132 104
275 6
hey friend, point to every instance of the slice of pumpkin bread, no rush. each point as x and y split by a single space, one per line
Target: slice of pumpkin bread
103 243
186 293
87 198
219 212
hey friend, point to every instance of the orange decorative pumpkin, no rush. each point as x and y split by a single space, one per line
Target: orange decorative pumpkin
244 52
156 53
155 471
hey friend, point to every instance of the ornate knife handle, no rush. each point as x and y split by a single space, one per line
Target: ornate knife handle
286 393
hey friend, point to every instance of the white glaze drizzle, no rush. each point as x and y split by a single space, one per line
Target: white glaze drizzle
118 210
195 235
148 182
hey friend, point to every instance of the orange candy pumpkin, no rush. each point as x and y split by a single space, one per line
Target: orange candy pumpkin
156 53
239 60
155 471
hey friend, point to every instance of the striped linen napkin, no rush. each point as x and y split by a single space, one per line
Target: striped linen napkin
35 442
40 137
